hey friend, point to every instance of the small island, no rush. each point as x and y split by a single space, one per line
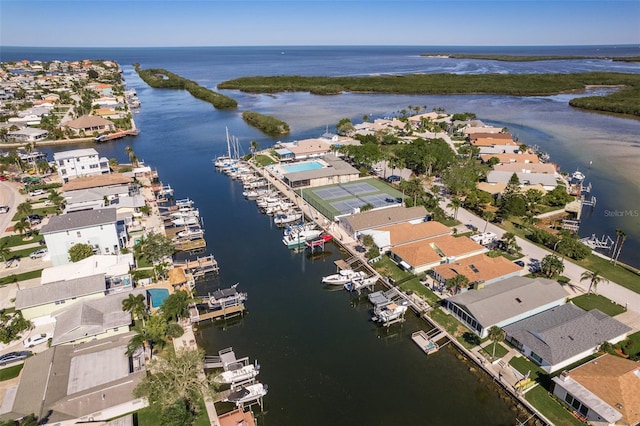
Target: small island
623 101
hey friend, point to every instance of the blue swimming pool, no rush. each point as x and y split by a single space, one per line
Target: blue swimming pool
157 296
302 167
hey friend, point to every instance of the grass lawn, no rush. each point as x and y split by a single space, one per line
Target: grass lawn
19 240
10 372
264 160
550 407
21 277
150 416
500 350
595 301
387 268
523 365
418 288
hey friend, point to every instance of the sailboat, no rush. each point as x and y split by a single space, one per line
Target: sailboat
223 161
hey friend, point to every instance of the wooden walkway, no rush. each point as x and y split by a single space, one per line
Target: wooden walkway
196 316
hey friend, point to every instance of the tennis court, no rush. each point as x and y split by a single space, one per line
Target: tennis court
334 200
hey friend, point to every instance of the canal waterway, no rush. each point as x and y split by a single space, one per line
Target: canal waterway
324 361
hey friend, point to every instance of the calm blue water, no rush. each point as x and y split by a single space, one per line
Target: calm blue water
157 296
302 167
324 361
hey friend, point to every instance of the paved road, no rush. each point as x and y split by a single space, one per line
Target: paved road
9 196
610 290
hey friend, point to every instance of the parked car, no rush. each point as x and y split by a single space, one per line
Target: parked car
4 209
3 177
519 263
39 253
11 357
34 219
30 342
394 178
37 192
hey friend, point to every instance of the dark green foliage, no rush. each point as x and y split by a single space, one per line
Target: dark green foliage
178 414
513 205
12 325
422 154
80 251
163 79
540 236
269 125
557 197
624 101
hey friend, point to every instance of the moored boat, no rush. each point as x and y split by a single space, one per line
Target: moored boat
247 394
237 373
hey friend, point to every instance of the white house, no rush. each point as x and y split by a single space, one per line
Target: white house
97 228
124 198
28 134
80 162
505 302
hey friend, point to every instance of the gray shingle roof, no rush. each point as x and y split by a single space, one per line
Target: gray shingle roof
383 217
60 290
508 298
566 331
79 220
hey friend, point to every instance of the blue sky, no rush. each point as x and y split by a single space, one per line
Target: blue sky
135 23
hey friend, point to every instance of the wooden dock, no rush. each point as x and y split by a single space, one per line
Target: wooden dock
200 266
423 341
230 311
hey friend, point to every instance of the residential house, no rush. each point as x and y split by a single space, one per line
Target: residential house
74 384
477 126
79 163
421 256
481 270
547 181
505 302
355 224
28 134
387 237
544 168
93 319
96 181
604 391
237 417
308 148
88 125
39 303
124 198
561 336
511 158
98 228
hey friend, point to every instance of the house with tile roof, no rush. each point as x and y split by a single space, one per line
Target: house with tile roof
511 158
505 302
604 391
421 256
561 336
481 270
88 125
390 236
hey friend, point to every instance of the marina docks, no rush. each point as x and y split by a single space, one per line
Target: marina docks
221 304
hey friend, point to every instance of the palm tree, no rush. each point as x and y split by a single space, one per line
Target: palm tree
623 237
24 209
176 306
130 153
253 146
594 279
22 226
488 216
495 335
455 204
136 306
551 265
615 246
5 251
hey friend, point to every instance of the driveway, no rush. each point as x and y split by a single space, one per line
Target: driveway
610 290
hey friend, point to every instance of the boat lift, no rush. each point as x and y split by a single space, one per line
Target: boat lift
594 243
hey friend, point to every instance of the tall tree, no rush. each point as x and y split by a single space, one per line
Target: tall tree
495 335
488 216
178 377
136 306
551 265
623 237
5 251
24 209
176 306
455 204
594 279
80 251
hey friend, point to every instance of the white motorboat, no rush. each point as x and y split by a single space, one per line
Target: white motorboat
191 232
390 312
247 394
221 299
186 220
343 277
298 238
237 373
288 217
360 283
